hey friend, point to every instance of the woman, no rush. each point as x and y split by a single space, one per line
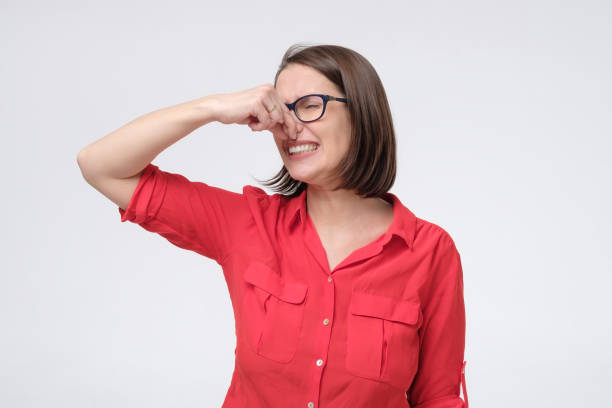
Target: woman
342 296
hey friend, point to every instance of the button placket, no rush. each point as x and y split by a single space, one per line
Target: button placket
324 336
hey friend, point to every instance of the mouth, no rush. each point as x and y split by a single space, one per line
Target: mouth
302 150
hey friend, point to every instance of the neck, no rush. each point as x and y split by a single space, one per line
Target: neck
340 207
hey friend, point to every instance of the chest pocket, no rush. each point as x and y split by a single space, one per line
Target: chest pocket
273 309
383 338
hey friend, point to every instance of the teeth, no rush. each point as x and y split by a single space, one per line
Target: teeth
302 148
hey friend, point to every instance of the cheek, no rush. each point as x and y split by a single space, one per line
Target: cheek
342 139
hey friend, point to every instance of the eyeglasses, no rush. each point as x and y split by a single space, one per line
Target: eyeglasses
311 107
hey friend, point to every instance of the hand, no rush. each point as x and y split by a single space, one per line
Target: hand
261 108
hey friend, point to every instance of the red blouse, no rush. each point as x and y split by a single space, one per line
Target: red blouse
385 328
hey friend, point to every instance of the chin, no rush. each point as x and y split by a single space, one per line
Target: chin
304 177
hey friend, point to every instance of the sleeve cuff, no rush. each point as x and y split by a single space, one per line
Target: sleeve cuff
443 402
450 401
147 197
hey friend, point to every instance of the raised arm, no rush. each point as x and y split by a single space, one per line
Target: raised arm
113 164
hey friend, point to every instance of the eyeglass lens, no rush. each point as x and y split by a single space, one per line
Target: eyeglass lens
309 108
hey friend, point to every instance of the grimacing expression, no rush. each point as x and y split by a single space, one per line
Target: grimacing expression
331 133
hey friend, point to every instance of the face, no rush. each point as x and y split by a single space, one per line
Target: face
331 133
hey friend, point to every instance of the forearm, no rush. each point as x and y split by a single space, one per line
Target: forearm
127 150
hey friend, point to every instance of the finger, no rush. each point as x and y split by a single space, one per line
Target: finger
280 129
274 109
288 120
287 117
293 123
282 108
284 133
263 116
276 117
274 112
289 124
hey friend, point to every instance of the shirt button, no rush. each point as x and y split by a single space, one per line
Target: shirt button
329 278
319 362
310 404
326 321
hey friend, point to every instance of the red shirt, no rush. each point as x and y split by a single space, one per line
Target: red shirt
385 328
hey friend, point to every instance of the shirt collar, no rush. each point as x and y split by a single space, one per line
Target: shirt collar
403 225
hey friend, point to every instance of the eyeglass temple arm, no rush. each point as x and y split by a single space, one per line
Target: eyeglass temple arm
333 98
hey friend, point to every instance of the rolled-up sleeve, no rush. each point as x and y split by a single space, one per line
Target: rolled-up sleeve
441 369
190 214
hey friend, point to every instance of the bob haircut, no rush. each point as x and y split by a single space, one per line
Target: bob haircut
369 165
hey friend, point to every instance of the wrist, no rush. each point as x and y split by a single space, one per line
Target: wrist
205 109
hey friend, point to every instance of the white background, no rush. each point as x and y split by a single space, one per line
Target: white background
502 113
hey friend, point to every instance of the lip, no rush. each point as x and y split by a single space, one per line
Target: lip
302 155
298 143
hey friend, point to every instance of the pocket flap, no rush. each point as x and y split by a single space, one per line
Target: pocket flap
264 277
385 307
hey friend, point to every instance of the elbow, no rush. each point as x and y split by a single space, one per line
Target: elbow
82 162
81 158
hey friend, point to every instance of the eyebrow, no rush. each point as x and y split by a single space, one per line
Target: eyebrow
304 94
296 98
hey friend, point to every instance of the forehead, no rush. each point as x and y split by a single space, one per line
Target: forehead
298 80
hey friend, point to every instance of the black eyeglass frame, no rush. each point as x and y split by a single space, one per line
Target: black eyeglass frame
326 98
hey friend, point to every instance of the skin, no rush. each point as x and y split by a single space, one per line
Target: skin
343 219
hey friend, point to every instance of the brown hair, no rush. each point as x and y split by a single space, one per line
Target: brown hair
369 165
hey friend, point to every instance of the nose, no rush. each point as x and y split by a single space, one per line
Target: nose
299 127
